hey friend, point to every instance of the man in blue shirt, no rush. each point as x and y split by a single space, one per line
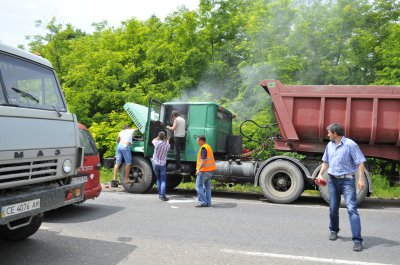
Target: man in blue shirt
343 159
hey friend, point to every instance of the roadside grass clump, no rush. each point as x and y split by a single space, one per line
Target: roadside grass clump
106 175
381 187
218 186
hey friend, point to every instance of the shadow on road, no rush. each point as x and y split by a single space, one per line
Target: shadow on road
304 200
373 241
48 247
374 203
180 197
80 213
368 203
226 205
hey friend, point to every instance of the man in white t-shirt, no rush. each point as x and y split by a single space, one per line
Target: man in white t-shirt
124 141
179 128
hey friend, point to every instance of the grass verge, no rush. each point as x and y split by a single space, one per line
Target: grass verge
106 175
382 189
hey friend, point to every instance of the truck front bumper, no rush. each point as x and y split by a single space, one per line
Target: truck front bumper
17 206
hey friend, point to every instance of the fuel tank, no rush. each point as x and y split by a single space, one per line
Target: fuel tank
235 171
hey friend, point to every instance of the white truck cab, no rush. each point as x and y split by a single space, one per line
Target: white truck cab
39 144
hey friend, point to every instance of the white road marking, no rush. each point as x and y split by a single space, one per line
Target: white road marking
174 207
180 201
300 258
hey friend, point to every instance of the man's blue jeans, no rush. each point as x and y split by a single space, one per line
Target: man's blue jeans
347 187
203 188
125 152
161 174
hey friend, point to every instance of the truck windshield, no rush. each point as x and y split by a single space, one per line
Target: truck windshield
29 85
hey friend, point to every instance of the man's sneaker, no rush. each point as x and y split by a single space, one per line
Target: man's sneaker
164 199
333 235
357 246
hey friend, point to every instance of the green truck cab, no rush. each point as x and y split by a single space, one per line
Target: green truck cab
202 118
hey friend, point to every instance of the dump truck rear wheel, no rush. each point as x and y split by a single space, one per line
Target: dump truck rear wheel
22 232
281 181
141 177
361 194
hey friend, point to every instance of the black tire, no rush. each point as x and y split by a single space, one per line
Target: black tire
281 181
173 181
141 176
361 194
22 232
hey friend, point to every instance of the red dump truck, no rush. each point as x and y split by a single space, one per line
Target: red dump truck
370 116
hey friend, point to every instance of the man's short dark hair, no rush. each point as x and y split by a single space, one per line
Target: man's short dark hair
336 128
126 127
175 113
201 138
161 135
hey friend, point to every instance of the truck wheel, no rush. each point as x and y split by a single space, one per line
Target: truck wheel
173 181
361 194
22 232
141 177
281 181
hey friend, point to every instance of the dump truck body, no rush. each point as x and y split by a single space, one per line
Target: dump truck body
370 116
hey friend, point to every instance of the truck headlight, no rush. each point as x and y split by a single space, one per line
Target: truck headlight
67 166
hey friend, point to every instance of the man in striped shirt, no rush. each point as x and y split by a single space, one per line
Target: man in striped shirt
161 147
343 159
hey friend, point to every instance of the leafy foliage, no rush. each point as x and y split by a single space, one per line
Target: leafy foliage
106 132
220 52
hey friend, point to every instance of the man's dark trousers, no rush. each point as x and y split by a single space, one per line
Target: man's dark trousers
179 143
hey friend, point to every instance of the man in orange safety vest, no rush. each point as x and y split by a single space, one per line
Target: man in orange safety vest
204 170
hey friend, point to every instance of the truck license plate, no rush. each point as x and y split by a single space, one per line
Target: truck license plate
21 207
79 180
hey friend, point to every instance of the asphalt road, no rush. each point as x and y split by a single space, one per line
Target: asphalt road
121 228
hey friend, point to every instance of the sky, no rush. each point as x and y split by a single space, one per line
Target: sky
17 17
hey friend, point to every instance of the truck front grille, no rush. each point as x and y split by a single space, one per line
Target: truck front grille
27 170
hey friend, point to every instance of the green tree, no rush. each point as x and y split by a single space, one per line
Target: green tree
220 52
105 133
389 65
55 44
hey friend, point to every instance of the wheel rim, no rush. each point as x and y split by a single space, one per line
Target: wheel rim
281 182
136 174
